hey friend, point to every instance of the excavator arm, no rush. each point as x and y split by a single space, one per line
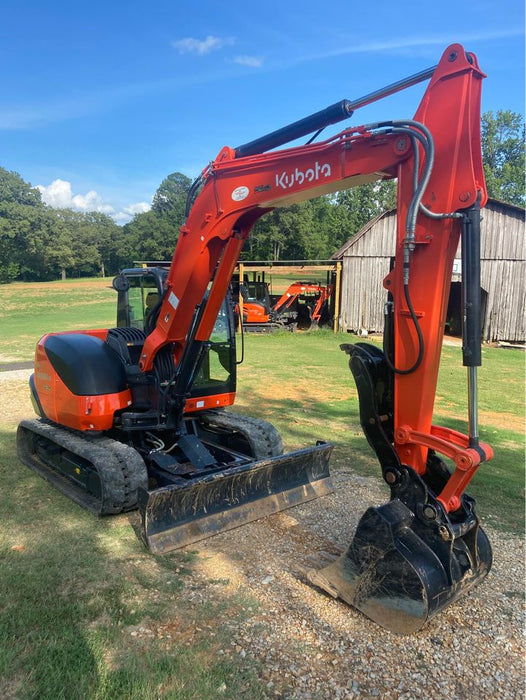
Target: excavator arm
436 159
296 290
417 553
235 194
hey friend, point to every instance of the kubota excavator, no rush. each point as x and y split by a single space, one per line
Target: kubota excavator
132 412
302 305
313 298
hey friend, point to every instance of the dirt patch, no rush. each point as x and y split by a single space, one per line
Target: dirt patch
503 421
6 359
303 387
16 403
487 419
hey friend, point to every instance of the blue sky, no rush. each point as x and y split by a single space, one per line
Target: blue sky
100 101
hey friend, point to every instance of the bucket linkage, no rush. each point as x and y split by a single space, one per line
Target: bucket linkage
409 558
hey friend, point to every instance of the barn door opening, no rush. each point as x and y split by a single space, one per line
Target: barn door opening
454 309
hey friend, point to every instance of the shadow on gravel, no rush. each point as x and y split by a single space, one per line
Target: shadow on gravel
12 366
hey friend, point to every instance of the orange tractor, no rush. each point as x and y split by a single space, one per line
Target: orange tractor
134 415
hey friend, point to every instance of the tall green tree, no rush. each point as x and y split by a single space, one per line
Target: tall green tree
13 189
366 201
152 235
149 236
170 198
503 155
38 242
289 233
23 218
104 241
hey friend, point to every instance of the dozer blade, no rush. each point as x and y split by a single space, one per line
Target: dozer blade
400 578
174 516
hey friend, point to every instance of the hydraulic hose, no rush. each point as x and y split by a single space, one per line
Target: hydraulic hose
416 132
387 338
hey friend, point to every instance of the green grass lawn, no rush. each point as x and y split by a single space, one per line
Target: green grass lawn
73 586
28 311
72 590
309 392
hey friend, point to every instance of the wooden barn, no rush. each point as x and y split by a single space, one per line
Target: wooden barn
366 259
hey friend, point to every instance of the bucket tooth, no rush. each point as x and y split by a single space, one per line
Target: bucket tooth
175 516
395 577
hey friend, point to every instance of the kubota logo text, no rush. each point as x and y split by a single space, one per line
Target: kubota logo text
297 176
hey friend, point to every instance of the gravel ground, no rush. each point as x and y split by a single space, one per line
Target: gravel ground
311 646
8 376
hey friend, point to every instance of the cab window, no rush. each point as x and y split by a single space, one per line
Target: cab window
137 302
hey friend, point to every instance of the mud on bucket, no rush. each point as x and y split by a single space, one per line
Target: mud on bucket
399 575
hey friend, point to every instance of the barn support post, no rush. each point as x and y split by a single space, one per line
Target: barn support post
337 288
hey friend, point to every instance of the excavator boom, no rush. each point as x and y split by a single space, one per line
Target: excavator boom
440 175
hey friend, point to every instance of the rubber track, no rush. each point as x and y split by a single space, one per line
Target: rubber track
120 468
265 327
263 438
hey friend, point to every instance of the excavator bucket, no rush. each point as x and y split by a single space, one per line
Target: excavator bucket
177 515
400 577
409 558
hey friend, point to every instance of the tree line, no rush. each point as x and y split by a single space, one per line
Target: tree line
39 242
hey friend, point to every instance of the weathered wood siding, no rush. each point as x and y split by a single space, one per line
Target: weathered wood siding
367 258
503 272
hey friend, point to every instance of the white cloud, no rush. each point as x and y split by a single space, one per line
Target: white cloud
129 212
251 61
202 46
411 42
59 194
91 201
137 208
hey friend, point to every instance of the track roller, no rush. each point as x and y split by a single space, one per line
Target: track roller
98 473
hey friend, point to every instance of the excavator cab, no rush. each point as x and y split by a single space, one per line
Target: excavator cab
139 296
139 292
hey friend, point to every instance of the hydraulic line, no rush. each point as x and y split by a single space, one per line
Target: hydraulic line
421 345
416 132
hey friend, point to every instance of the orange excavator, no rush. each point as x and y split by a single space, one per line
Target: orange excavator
302 306
307 300
135 414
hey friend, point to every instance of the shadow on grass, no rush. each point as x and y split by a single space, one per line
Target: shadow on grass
75 589
43 650
498 485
